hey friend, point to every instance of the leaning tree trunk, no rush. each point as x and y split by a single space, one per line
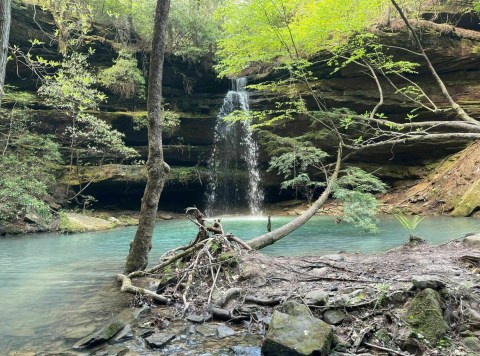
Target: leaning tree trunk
156 168
272 237
453 104
5 19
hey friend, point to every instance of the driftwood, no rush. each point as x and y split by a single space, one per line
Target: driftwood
128 287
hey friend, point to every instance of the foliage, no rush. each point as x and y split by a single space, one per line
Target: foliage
409 224
26 163
73 19
124 78
71 90
192 29
355 190
268 31
295 158
170 121
477 6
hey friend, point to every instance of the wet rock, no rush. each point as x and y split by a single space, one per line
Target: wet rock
472 343
79 331
295 309
425 281
206 330
297 335
139 313
164 216
473 240
124 335
74 222
158 340
424 315
246 350
101 336
224 331
334 317
316 297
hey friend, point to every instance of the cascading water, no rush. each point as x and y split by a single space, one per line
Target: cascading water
234 175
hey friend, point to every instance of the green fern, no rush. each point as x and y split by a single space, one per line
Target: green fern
408 223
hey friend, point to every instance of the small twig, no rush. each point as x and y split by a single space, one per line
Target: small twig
384 349
360 338
213 285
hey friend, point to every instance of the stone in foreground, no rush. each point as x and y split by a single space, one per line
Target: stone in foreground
334 317
101 336
297 335
424 282
473 240
159 340
424 315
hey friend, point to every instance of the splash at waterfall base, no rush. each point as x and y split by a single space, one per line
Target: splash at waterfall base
219 297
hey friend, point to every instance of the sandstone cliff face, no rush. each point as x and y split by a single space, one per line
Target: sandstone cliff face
196 94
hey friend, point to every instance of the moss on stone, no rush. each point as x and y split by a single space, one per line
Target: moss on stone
469 202
424 315
70 223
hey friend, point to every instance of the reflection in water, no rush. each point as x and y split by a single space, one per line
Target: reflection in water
52 283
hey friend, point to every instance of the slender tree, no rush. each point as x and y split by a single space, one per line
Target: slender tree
156 167
5 19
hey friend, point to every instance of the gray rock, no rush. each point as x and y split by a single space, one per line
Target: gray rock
320 271
139 313
246 350
196 318
425 281
158 340
124 335
334 257
472 343
101 336
473 240
334 316
297 335
295 309
316 297
224 331
206 330
473 318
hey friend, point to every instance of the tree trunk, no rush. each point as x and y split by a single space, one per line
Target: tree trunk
453 104
156 168
272 237
5 19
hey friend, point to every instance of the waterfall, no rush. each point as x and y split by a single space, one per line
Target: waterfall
234 175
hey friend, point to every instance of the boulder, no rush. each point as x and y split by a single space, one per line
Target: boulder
470 201
295 309
316 297
297 335
472 240
74 222
159 340
334 316
124 335
426 281
472 343
224 331
101 336
424 315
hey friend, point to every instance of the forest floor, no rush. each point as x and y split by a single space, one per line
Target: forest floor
365 298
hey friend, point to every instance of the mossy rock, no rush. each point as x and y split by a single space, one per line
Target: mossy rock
469 202
73 222
424 315
297 335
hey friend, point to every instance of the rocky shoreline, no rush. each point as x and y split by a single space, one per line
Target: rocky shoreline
418 299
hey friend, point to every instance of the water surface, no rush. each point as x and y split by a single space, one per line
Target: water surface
51 283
